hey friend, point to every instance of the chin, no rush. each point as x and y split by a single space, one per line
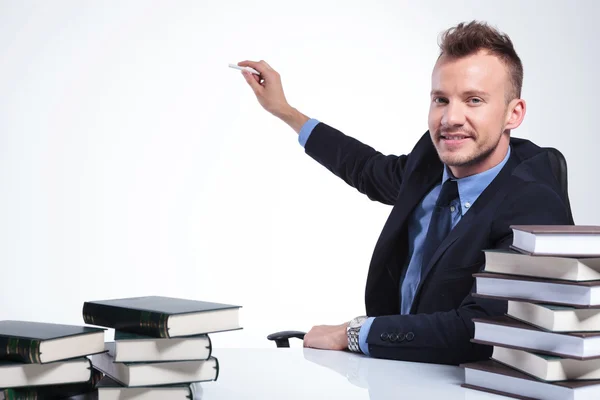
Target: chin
465 158
457 158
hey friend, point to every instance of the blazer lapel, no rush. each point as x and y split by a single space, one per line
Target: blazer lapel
467 221
412 192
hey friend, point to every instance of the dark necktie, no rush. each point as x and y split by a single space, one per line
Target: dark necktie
441 220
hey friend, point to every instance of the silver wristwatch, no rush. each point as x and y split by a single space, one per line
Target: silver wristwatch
352 331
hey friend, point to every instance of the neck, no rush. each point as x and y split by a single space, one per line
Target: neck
492 159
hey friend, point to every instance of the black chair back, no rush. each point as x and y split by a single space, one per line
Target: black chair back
558 164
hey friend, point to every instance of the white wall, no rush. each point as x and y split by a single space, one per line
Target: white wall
134 162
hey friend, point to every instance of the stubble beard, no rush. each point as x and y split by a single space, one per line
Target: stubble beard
480 153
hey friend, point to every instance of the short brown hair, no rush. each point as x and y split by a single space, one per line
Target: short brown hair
466 39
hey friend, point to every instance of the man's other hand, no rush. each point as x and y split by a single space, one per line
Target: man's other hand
327 337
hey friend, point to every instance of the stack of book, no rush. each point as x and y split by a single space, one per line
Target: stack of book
47 361
161 347
547 346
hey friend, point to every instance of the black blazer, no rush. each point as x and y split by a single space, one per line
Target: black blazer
439 328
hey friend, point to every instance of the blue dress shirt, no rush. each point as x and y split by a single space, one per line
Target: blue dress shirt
469 189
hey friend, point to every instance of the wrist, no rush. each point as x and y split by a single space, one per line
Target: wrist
294 118
352 332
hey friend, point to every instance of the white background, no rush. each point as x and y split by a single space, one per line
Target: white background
133 161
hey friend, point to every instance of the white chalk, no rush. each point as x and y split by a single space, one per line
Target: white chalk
244 68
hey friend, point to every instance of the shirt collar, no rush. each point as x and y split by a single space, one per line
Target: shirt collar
470 187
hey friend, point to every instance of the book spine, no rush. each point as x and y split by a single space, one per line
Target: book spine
127 320
20 349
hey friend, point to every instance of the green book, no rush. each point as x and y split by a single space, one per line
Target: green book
52 392
39 342
162 317
156 373
131 347
16 374
183 391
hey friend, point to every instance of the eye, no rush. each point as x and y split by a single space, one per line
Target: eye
475 100
440 100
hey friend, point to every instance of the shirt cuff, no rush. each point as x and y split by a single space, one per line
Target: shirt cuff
306 130
363 334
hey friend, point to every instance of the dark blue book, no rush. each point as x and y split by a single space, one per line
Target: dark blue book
40 342
162 317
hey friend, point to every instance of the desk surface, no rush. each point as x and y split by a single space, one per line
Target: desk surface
297 373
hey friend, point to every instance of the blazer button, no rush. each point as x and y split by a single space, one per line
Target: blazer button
401 337
410 336
384 336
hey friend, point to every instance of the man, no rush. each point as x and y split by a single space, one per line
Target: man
456 193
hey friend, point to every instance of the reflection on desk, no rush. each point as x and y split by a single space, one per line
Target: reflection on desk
292 373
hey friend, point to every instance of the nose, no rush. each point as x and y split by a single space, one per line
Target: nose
453 115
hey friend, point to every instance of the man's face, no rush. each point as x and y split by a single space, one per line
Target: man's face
468 112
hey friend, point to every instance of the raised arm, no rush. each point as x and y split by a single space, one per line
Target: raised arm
376 175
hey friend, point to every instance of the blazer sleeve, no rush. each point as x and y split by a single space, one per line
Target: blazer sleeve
445 337
376 175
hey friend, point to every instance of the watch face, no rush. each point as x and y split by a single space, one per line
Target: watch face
356 322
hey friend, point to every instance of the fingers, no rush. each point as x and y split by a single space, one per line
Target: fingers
247 63
256 65
261 66
308 338
253 82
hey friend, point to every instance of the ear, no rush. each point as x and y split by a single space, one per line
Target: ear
515 113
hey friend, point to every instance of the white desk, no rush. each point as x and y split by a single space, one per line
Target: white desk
296 373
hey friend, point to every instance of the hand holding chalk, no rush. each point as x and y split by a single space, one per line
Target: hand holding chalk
266 84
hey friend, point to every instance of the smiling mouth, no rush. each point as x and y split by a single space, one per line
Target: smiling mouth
454 137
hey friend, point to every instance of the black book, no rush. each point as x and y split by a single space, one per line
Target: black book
39 343
162 317
493 377
554 240
582 294
52 392
509 332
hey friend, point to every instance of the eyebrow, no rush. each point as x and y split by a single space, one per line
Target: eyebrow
479 93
